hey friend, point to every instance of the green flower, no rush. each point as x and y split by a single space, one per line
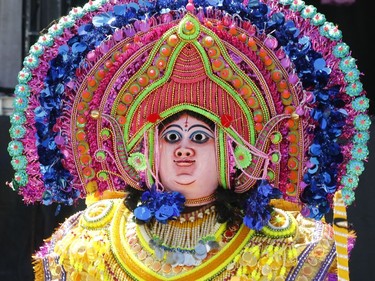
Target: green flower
138 161
243 157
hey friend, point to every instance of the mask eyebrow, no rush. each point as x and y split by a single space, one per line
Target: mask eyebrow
200 126
172 125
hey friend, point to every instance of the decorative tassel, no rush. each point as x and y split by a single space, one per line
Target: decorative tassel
341 233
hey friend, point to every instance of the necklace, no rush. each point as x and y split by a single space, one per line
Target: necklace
184 242
200 201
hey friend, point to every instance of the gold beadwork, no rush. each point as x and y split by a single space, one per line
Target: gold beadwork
200 201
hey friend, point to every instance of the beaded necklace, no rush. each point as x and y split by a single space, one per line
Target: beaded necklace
186 241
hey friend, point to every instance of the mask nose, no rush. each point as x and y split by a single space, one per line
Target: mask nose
182 152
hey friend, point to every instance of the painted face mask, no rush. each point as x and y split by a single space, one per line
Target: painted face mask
188 158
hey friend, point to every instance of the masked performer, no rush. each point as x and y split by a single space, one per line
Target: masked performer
208 138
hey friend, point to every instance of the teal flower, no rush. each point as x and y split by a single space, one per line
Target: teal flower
17 118
22 90
76 13
297 5
286 2
348 196
347 64
55 30
325 28
66 22
318 19
21 177
360 152
31 61
19 162
308 12
24 76
91 6
350 181
45 40
361 137
355 167
362 122
352 75
334 33
361 104
354 89
15 148
17 131
20 103
36 49
341 50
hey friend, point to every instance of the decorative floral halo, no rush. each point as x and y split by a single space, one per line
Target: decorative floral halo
87 86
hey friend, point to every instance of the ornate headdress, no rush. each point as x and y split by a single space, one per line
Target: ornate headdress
274 76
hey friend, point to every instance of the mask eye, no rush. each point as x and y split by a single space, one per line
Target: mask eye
172 136
199 137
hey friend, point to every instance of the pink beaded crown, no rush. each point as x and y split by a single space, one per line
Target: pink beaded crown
274 76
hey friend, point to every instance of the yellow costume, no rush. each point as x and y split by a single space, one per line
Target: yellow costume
103 243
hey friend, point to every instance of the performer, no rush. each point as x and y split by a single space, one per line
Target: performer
208 138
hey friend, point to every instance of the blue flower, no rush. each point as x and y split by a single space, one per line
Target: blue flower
103 19
257 208
164 206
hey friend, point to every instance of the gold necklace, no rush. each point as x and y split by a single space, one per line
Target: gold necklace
184 243
200 201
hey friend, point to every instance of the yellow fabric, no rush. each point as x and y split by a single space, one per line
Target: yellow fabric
107 194
38 269
341 235
88 248
285 205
